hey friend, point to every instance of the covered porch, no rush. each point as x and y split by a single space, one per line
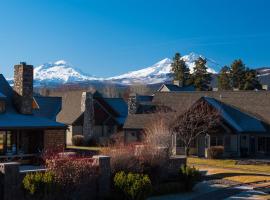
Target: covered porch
233 145
20 144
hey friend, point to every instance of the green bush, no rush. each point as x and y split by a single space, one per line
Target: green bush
133 186
189 176
39 185
78 140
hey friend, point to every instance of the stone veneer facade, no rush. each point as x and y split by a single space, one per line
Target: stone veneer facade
54 139
87 106
23 88
133 104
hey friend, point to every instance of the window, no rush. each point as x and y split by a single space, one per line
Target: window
264 144
2 106
180 143
227 142
216 141
11 142
2 142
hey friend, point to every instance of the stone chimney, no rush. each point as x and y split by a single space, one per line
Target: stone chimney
87 106
23 88
133 103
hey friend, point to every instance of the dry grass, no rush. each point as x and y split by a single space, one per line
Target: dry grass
85 148
248 178
226 163
233 175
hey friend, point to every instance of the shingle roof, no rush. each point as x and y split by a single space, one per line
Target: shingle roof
11 119
238 120
242 106
120 106
48 106
138 121
71 106
2 96
255 103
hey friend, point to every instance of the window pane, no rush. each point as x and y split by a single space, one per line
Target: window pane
2 136
220 141
11 142
213 141
261 144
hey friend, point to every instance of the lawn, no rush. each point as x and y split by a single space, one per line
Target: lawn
85 148
229 164
228 170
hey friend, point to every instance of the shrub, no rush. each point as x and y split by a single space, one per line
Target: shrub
76 175
78 140
189 176
39 185
122 158
133 186
215 152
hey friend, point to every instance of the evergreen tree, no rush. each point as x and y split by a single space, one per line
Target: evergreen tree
238 70
180 70
224 79
251 80
201 78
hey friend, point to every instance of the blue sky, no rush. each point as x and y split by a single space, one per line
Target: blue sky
110 37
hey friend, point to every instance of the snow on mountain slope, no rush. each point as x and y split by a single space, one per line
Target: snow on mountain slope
161 71
60 72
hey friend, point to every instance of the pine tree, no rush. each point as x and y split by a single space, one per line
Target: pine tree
180 70
238 70
224 79
251 80
201 78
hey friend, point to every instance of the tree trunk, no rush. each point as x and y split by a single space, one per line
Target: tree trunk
187 151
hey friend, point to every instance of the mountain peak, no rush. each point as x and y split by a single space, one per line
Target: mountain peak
61 62
62 72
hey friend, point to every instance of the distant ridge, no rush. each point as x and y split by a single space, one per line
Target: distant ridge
61 72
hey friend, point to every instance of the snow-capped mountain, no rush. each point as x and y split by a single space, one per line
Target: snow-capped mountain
60 72
161 71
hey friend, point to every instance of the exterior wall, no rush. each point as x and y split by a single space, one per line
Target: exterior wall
11 178
100 133
54 139
73 130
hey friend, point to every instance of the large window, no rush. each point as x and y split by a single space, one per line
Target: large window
264 144
17 142
216 141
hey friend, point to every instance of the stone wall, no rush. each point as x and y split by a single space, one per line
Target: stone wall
23 87
54 139
11 180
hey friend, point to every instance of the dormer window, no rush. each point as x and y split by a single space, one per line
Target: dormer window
2 106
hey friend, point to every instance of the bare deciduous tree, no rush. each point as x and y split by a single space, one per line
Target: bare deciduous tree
199 119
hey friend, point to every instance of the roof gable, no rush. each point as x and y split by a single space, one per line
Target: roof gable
12 119
238 120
